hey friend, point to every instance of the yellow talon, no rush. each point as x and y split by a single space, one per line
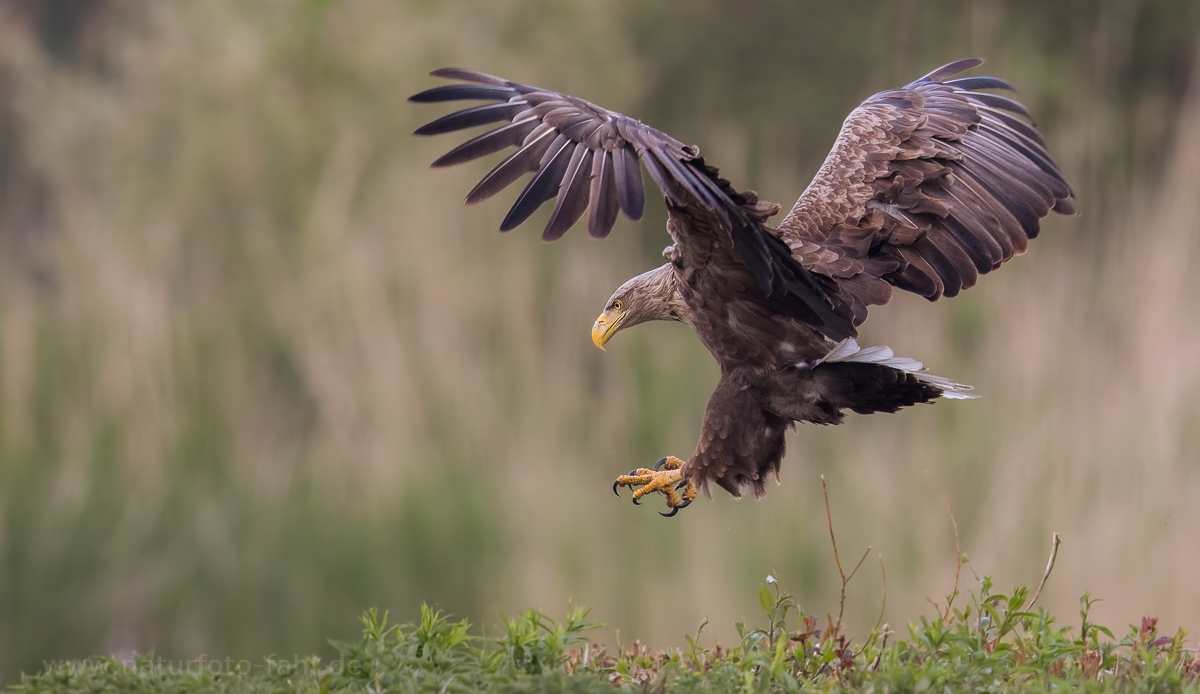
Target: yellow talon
665 478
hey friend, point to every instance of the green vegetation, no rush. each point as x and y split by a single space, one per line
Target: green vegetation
994 644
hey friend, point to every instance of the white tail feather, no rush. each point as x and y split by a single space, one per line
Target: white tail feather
848 350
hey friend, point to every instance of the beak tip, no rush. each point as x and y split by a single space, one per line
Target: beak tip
599 336
604 328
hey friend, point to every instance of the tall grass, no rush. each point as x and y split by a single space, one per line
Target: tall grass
259 368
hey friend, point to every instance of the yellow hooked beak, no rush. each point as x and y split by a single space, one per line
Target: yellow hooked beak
605 326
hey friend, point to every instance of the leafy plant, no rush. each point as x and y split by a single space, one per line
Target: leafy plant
992 644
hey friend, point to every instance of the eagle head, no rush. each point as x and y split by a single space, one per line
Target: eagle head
652 295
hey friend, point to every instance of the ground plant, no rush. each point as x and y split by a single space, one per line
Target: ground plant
994 643
983 641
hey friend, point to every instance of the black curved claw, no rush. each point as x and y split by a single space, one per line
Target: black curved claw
617 488
659 464
681 484
632 472
685 504
636 502
672 513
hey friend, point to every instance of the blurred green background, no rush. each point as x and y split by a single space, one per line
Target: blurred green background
260 369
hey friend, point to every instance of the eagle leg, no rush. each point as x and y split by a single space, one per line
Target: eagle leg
666 478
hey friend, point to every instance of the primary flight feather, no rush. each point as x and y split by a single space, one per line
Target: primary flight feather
926 188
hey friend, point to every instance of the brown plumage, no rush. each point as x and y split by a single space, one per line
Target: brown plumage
926 188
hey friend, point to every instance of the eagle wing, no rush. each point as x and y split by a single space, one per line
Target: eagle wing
588 159
926 188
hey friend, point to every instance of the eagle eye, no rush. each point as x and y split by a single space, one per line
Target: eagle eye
616 305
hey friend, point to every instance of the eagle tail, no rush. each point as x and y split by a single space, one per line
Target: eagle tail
848 351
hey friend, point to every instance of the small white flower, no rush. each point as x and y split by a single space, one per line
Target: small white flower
771 579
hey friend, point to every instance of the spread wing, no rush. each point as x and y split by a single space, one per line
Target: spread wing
588 159
927 187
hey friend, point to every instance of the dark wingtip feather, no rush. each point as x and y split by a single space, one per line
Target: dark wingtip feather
490 142
980 83
573 194
513 167
951 69
603 195
1066 206
461 92
1003 102
630 194
542 187
459 73
471 117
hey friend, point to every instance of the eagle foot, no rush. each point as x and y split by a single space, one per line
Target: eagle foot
666 478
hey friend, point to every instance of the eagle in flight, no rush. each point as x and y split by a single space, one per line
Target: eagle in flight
926 188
